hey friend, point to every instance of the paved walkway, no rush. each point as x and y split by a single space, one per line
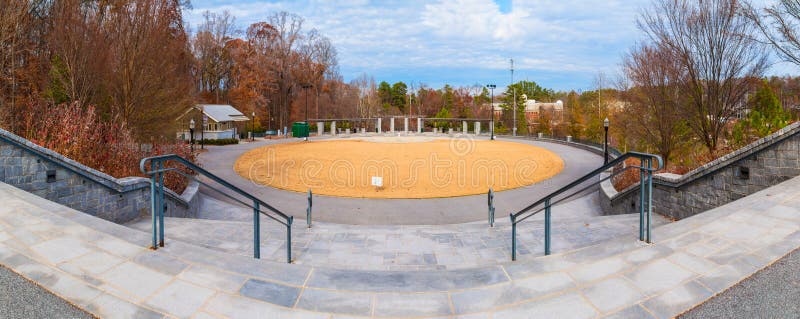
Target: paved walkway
229 228
105 269
369 211
770 293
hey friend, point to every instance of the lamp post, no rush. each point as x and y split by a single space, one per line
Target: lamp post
253 129
203 127
491 109
306 87
605 145
191 134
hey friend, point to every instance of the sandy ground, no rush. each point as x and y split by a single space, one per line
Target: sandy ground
408 168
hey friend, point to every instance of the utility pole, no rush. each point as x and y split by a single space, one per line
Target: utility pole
514 93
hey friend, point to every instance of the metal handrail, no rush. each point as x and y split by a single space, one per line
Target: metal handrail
156 174
646 169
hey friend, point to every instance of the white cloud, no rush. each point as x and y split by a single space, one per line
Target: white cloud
399 40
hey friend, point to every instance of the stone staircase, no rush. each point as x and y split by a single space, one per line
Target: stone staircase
395 247
106 269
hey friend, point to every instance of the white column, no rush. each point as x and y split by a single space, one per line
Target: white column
477 128
405 125
464 127
379 125
419 125
333 128
391 125
320 128
450 131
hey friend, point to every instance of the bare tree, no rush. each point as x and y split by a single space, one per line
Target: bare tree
368 97
209 47
288 28
14 18
713 42
778 23
653 91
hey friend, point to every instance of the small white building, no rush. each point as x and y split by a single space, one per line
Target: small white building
212 122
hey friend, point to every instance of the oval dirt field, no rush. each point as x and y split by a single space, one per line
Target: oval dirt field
398 167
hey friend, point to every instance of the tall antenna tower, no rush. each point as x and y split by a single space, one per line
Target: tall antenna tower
514 92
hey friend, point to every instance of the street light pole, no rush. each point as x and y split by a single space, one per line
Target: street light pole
306 87
191 134
605 144
203 128
491 110
253 128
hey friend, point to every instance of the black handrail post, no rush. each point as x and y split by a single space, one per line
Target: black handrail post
547 227
161 203
153 206
491 207
649 197
642 184
256 230
308 210
513 238
289 239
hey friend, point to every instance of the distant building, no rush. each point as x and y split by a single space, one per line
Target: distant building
535 110
220 122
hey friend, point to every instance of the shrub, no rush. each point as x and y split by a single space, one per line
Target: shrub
222 141
105 145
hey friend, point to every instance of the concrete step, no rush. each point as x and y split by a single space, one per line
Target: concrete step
395 247
107 270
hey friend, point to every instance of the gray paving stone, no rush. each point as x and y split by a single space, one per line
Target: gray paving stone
677 300
483 299
135 279
632 312
721 278
646 254
538 266
599 269
658 276
612 294
108 306
412 305
337 302
74 290
270 292
215 279
60 250
96 262
240 307
422 281
693 263
566 306
180 299
160 262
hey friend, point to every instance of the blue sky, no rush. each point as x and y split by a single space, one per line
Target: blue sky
560 44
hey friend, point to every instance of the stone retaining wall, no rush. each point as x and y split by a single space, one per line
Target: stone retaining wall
764 163
52 176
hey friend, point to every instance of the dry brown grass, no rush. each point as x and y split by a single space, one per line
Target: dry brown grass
438 168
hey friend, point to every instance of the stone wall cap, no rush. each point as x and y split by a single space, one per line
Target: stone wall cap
727 159
121 185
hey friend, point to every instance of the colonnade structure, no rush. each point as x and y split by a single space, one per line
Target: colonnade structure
402 125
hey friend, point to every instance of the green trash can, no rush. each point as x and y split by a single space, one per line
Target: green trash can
300 129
